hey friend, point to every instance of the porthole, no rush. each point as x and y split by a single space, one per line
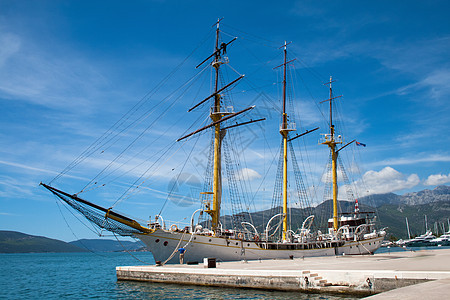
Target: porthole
248 245
210 240
166 243
157 241
237 244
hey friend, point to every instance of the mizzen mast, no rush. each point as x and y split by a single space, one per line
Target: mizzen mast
331 141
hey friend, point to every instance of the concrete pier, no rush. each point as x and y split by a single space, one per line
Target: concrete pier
360 275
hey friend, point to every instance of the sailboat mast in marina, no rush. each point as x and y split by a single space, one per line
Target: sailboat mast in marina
242 239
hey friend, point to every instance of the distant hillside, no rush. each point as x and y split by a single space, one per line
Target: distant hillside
438 194
101 245
394 216
393 210
17 242
381 199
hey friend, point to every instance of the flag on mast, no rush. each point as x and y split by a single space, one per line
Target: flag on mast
360 144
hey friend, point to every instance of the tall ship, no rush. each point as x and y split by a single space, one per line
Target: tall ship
235 237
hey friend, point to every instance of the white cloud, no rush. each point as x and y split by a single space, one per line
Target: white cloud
29 73
27 167
415 160
8 214
437 179
435 82
12 187
386 181
327 176
248 174
35 170
10 45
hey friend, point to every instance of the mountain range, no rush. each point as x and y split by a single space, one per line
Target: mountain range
392 211
102 245
18 242
439 194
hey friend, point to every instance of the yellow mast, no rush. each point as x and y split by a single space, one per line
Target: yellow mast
331 141
216 116
284 131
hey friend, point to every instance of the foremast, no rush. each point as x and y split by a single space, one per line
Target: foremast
216 115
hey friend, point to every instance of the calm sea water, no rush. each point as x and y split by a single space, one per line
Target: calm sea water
394 249
93 276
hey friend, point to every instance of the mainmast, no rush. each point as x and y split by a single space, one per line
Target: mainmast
332 141
284 131
285 128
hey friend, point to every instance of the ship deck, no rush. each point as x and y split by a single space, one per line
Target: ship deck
359 275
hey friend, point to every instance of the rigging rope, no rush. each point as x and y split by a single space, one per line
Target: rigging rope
147 128
240 175
301 190
97 144
127 251
350 195
208 185
277 191
71 230
236 205
175 250
251 35
178 177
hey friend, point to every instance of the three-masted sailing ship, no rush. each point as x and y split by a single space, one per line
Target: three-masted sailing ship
352 233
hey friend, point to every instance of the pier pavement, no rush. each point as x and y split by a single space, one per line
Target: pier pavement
359 275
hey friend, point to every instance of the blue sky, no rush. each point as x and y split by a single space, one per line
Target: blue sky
70 69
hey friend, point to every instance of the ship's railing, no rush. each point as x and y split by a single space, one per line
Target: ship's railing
289 127
225 110
177 225
326 138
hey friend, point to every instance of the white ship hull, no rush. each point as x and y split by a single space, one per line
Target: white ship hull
164 243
